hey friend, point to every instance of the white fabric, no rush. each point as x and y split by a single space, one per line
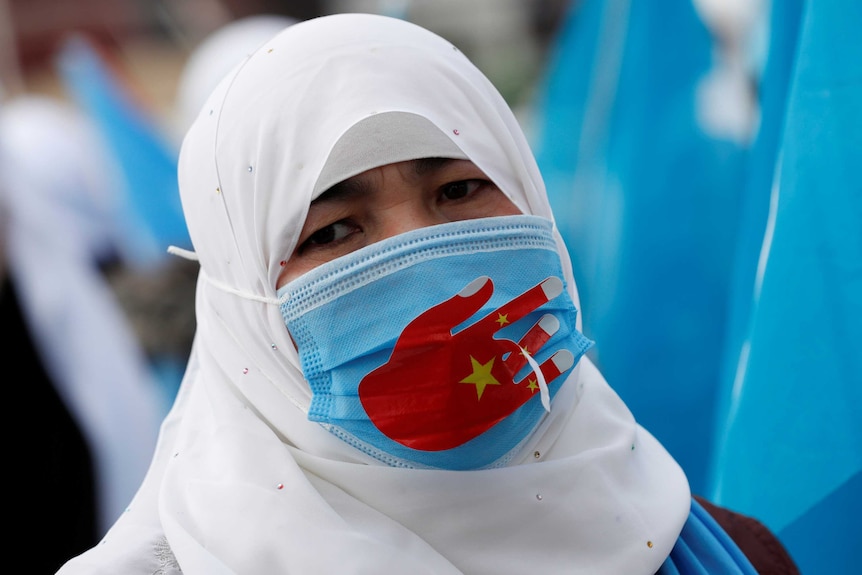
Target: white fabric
215 56
61 217
242 482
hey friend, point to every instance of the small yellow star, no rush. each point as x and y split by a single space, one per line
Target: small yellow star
532 385
502 319
481 376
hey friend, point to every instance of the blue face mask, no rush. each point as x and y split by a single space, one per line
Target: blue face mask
441 347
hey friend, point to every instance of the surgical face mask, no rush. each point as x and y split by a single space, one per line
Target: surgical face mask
439 348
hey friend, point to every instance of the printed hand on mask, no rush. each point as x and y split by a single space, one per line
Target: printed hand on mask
439 390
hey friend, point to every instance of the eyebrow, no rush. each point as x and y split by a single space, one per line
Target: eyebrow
350 187
425 165
356 186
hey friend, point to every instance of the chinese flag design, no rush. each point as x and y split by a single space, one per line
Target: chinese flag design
440 390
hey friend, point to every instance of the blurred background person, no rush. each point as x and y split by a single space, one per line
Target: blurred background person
93 400
97 313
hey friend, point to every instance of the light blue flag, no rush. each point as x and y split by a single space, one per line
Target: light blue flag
783 31
146 160
647 199
790 448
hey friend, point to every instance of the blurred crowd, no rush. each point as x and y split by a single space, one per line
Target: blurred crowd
663 131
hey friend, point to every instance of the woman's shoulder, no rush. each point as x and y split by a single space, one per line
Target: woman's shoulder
765 551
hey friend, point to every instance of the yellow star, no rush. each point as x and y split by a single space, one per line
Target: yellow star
481 376
502 319
532 385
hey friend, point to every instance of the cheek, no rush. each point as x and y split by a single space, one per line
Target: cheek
490 205
501 205
292 269
299 264
508 208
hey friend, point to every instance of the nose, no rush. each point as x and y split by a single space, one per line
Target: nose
408 216
399 199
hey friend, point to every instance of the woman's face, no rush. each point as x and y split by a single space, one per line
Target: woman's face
390 200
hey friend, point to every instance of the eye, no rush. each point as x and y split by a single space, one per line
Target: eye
461 189
332 233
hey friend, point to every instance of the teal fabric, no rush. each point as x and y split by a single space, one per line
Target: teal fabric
760 405
704 548
648 204
790 445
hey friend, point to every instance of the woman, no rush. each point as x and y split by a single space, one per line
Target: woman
371 226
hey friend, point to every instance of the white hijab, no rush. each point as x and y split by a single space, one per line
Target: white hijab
242 481
215 56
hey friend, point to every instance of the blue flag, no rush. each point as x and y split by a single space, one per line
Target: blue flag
647 197
146 160
790 447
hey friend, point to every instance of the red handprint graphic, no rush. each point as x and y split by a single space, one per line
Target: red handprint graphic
439 390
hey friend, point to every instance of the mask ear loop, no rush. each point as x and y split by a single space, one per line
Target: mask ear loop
543 385
185 254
